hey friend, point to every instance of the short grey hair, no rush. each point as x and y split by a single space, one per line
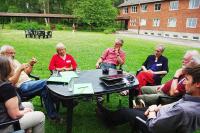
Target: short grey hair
60 46
195 57
119 40
4 49
161 46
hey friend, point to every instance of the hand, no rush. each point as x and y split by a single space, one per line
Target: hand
33 61
117 51
26 110
23 67
152 108
150 71
97 66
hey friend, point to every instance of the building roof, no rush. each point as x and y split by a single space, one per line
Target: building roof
136 2
123 18
35 15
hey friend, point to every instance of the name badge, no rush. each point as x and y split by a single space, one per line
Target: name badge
158 64
68 61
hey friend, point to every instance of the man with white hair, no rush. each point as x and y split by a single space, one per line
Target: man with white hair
173 87
112 57
62 61
27 86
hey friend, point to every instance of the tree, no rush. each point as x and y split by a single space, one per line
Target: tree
95 13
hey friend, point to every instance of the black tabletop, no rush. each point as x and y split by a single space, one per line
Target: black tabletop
90 76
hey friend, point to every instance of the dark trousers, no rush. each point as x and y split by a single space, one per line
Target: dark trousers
122 116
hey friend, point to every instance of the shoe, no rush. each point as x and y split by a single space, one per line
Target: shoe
142 103
56 119
134 104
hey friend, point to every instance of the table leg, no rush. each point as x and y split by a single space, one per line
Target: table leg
131 91
70 107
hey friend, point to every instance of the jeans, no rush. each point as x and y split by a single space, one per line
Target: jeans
32 87
107 66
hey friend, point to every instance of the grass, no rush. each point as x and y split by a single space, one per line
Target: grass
86 47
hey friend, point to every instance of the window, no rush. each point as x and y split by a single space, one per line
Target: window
172 22
193 4
133 8
174 5
133 22
125 10
191 22
157 7
144 7
156 22
143 22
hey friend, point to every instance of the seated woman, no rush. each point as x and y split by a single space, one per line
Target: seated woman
10 106
153 67
152 70
62 61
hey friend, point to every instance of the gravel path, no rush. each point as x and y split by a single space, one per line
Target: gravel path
189 43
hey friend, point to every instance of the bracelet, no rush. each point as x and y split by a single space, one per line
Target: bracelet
175 77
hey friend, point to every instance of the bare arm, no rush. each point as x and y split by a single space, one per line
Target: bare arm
98 62
64 69
31 63
173 90
119 60
160 72
13 108
15 76
143 68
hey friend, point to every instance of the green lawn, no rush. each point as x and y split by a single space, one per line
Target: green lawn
86 47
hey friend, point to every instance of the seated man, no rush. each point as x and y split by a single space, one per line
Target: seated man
62 61
174 87
182 116
27 86
153 67
112 57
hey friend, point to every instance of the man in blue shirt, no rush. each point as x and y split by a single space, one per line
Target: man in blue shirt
182 116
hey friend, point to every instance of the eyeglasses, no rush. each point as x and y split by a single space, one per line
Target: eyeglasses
11 53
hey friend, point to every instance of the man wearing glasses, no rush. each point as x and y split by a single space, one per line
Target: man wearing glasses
112 57
173 87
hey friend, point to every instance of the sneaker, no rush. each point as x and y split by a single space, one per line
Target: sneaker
134 104
142 103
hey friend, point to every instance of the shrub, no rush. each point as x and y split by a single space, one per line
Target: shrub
109 30
60 27
26 25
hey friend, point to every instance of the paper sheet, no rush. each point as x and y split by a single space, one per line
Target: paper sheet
84 88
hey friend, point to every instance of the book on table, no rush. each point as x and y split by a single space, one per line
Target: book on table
63 77
83 88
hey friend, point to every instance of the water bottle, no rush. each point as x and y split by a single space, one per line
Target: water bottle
71 85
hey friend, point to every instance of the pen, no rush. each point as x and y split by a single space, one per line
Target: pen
82 87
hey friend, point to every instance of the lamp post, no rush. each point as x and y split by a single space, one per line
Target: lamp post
139 19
